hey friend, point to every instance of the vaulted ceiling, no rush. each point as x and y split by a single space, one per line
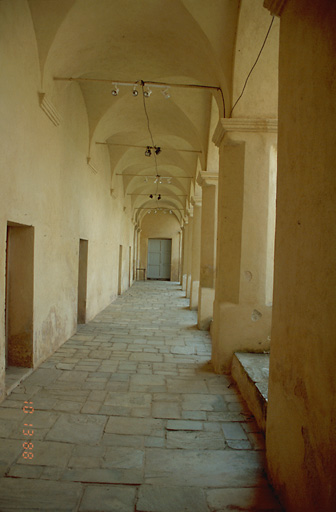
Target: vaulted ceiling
101 42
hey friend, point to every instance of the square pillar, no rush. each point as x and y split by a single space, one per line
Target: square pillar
189 253
185 231
195 252
208 181
242 315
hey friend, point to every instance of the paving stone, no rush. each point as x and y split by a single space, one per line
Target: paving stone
255 498
203 468
27 494
180 385
84 462
128 399
104 476
26 471
67 406
239 444
123 457
154 498
133 426
203 402
233 431
123 440
166 410
48 454
10 450
184 425
195 440
43 377
147 380
194 415
108 498
78 428
141 356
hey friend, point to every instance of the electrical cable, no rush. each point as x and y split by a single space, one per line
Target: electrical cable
254 65
151 136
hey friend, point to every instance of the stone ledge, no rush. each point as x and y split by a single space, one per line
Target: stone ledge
250 371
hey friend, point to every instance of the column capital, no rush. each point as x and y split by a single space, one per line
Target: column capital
196 201
227 125
206 178
275 6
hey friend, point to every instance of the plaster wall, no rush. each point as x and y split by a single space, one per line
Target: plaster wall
301 432
160 225
46 183
260 97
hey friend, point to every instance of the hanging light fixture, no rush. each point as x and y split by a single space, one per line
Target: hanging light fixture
159 197
166 93
157 150
148 151
147 92
135 91
115 91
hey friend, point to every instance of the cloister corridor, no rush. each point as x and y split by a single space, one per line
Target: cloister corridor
128 416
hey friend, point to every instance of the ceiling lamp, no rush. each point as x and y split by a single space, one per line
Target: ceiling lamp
115 91
157 150
159 197
135 91
148 151
166 93
170 212
147 92
151 196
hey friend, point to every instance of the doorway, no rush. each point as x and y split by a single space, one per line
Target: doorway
82 281
159 259
19 299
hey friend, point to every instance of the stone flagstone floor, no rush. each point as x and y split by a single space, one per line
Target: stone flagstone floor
129 417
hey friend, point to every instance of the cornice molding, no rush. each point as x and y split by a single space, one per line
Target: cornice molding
92 167
227 125
275 6
49 109
206 178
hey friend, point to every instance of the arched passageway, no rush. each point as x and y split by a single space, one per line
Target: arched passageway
129 121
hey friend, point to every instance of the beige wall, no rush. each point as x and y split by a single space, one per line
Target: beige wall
46 183
301 421
160 225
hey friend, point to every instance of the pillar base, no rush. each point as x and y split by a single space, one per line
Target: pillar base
206 297
243 328
194 295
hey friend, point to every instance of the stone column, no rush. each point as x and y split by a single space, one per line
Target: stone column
184 254
138 247
242 319
209 182
135 250
180 256
195 252
189 251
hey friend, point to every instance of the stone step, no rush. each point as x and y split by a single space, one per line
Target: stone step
251 371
